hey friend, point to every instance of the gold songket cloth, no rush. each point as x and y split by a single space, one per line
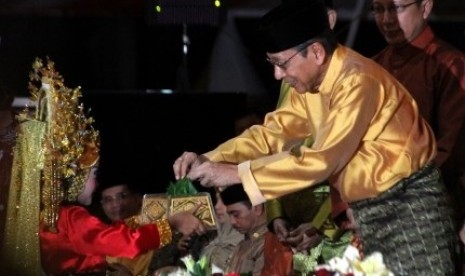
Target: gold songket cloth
367 130
21 246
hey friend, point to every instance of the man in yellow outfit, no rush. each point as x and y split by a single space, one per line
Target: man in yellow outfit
306 219
370 143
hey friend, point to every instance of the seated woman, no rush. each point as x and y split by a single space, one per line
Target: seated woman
82 242
49 230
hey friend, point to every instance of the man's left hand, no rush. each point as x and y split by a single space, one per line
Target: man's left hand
304 237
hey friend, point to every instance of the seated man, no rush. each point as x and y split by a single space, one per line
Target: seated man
220 249
217 251
251 222
119 202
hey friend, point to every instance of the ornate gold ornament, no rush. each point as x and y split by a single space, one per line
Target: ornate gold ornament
70 144
55 148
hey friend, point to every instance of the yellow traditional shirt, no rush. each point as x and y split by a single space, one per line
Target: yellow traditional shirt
367 130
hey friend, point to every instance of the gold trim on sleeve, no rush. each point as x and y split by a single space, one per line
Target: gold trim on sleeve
164 231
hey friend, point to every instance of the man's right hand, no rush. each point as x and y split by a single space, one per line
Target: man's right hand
186 162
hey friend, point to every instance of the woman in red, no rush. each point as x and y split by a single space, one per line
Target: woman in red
48 227
82 241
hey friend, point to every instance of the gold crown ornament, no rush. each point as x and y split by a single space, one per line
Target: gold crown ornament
70 144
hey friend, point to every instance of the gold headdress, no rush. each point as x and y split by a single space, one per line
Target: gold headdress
55 150
70 144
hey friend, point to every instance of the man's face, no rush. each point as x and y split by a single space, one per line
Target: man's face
242 217
118 202
398 21
301 68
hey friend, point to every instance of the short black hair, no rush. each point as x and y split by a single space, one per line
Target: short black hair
234 194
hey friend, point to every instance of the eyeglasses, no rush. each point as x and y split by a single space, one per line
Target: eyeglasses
116 198
283 65
378 9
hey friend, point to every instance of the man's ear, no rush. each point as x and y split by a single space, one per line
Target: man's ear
428 7
318 52
332 17
259 209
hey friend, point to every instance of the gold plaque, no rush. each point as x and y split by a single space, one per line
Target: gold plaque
156 206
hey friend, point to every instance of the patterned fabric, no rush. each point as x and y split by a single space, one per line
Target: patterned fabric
21 241
411 225
433 72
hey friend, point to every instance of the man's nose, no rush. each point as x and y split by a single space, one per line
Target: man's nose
115 202
278 73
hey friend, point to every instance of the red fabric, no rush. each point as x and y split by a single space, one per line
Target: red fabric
278 257
83 241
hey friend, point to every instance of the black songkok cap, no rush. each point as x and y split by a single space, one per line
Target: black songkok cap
292 23
234 194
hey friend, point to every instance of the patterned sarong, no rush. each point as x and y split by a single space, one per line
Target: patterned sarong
411 224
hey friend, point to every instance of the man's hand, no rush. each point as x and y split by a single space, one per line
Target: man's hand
211 174
186 162
281 229
304 237
186 223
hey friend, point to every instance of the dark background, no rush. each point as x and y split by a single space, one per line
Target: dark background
142 134
120 45
122 55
